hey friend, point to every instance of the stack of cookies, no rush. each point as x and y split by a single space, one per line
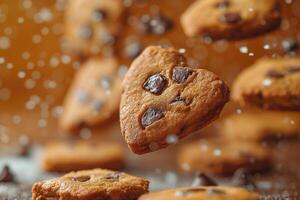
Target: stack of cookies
162 98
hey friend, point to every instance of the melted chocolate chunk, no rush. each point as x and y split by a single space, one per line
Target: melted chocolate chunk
156 25
155 84
231 18
183 193
274 74
290 45
6 175
242 178
223 4
150 116
203 180
81 178
181 74
293 69
99 15
86 32
215 192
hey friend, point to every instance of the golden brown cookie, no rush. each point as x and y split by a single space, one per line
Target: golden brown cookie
97 184
201 193
91 27
94 95
215 156
163 97
232 19
261 126
79 155
270 84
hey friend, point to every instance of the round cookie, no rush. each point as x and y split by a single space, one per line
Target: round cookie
261 126
163 98
92 26
96 184
201 193
230 18
94 95
222 157
270 84
59 156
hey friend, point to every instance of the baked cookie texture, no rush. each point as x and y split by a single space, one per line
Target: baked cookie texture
221 157
94 95
270 84
261 126
163 97
231 19
96 184
92 27
80 155
201 193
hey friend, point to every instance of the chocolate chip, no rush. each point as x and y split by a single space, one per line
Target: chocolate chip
292 69
133 49
105 82
157 25
97 104
6 175
155 84
203 180
99 15
231 18
86 32
107 38
242 178
223 4
290 45
150 116
189 191
181 74
274 74
215 192
178 98
81 178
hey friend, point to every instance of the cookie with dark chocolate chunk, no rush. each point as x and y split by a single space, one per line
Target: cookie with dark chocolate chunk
96 184
231 19
163 96
271 84
201 193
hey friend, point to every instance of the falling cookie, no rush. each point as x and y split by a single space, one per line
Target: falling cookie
201 193
222 157
271 84
261 126
59 156
93 26
232 19
164 97
97 184
94 95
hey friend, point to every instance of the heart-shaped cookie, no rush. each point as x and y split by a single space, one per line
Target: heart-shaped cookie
94 96
164 100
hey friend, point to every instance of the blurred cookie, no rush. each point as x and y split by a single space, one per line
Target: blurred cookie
222 157
201 193
72 156
163 97
270 84
260 126
94 95
91 185
91 27
230 18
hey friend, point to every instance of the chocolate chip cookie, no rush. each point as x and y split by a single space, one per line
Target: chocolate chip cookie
94 95
92 27
164 97
201 193
97 184
270 84
261 126
79 155
222 157
231 19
